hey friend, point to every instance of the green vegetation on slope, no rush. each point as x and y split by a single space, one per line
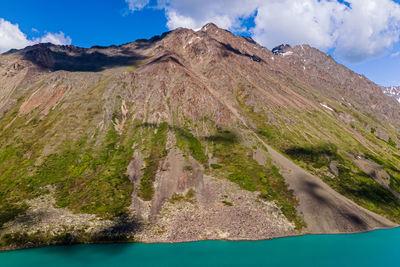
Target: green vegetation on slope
366 192
157 153
86 179
350 182
96 181
186 141
308 146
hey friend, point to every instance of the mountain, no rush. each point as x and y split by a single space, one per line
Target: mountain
393 91
191 135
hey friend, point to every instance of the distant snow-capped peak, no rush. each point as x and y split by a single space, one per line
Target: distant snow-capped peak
393 91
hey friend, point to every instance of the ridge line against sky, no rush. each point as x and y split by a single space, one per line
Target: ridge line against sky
361 34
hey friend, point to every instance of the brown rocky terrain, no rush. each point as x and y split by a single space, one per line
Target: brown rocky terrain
191 135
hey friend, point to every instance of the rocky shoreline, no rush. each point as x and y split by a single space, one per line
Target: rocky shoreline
222 211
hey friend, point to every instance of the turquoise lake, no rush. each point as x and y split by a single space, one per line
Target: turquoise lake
377 248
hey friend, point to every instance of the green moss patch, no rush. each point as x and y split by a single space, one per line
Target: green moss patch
157 153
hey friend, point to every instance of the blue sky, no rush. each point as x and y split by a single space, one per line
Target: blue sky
363 34
87 22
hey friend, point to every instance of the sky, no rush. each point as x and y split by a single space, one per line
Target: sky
360 34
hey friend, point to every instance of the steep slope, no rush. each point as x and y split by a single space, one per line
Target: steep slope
191 135
325 210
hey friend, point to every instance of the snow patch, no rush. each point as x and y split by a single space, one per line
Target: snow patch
288 53
393 91
326 106
193 39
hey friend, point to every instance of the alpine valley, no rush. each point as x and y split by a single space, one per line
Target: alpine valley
191 135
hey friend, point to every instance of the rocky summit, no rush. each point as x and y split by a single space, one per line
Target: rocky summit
191 135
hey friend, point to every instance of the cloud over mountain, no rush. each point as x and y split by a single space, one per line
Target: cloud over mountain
355 29
12 37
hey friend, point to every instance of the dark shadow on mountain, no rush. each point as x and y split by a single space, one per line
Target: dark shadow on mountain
371 192
221 136
123 227
146 43
355 219
229 48
102 47
166 58
249 39
9 212
311 189
317 154
11 51
70 58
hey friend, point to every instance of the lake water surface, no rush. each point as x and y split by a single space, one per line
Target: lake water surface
377 248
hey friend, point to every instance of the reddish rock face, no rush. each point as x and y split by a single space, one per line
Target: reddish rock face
200 72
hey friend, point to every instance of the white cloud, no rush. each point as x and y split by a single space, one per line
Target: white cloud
358 30
368 29
195 13
55 38
12 37
137 4
395 54
298 22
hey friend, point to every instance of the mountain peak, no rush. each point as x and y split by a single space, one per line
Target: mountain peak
281 49
209 27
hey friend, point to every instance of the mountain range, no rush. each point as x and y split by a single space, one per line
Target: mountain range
191 135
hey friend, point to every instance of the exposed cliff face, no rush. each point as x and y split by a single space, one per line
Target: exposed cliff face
179 138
